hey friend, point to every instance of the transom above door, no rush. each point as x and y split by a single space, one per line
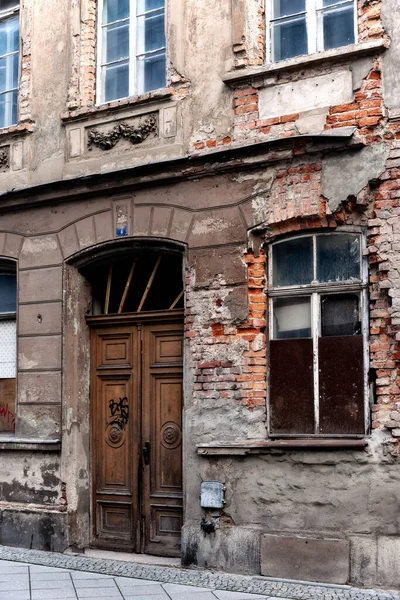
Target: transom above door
136 283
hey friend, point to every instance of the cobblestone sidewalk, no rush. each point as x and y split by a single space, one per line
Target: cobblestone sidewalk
34 575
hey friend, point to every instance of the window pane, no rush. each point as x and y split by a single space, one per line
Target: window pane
292 262
338 258
8 349
8 293
8 73
8 109
114 10
338 27
145 5
284 8
340 315
150 33
151 72
292 318
289 38
116 42
116 81
330 2
9 35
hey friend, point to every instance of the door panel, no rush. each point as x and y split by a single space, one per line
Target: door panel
162 425
115 427
137 404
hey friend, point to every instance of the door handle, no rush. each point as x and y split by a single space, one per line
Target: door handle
146 453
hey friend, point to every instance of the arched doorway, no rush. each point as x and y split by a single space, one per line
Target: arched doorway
136 401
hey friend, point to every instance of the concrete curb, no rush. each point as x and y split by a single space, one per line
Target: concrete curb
215 580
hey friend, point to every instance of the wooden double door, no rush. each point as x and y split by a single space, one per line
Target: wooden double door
136 399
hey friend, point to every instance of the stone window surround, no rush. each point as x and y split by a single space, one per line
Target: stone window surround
259 74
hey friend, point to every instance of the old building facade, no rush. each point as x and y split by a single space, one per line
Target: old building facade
199 244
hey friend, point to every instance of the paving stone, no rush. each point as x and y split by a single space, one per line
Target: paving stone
192 596
173 588
103 582
14 584
152 597
25 595
42 576
224 595
141 590
99 592
77 575
54 594
51 584
132 581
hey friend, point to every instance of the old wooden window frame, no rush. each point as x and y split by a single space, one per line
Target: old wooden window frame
133 56
9 13
9 267
314 291
314 9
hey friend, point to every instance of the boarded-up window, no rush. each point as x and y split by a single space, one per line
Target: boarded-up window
8 347
316 359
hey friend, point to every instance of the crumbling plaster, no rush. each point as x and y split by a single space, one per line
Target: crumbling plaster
357 170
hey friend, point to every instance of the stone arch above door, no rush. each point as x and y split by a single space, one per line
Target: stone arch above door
195 228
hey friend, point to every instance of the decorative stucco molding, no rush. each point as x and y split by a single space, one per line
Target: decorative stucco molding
135 134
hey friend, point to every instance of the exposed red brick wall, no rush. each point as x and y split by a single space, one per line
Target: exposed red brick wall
384 245
241 379
369 20
366 112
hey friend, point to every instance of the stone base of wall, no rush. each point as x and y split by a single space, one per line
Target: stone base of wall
37 530
230 549
363 560
301 558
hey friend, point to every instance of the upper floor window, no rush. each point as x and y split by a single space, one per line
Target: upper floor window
318 308
8 345
307 26
9 61
132 48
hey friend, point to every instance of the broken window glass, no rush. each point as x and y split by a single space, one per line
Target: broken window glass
340 315
338 258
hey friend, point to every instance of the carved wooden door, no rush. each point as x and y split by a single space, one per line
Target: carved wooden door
137 436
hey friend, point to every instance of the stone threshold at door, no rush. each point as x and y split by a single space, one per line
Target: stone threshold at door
285 589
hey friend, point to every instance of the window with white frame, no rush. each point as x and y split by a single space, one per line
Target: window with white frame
132 48
317 351
8 345
306 26
9 61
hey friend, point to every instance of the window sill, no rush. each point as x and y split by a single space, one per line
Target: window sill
11 442
19 129
264 446
82 113
301 62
